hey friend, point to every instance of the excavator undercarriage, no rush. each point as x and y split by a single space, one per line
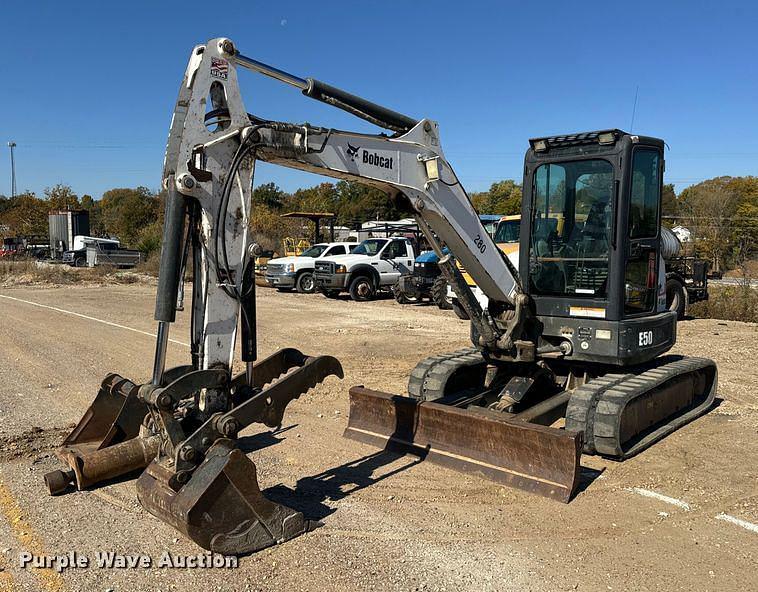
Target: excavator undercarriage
529 429
566 352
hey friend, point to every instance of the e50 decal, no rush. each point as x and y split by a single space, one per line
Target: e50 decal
645 338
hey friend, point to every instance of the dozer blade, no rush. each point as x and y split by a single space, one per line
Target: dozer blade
221 508
532 457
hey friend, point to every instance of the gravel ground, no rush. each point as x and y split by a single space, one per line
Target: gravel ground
389 523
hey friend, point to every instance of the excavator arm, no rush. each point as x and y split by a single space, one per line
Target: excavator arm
211 143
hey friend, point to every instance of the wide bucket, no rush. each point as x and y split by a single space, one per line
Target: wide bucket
221 508
516 453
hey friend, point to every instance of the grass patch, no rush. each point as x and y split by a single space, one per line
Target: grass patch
149 267
25 272
729 303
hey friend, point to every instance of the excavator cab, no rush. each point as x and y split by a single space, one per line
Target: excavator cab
591 270
589 254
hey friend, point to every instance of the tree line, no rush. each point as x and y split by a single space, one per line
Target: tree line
134 215
721 213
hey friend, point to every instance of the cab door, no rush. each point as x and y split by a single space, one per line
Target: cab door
394 261
643 265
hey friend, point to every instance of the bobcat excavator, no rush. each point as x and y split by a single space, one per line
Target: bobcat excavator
565 358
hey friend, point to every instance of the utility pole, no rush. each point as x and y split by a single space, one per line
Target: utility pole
12 145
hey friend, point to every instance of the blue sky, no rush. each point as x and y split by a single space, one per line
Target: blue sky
88 88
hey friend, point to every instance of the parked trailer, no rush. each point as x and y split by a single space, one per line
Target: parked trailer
64 226
105 254
91 251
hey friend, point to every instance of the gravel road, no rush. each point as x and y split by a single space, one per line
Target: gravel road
660 521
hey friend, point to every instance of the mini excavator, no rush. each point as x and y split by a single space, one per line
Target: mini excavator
567 354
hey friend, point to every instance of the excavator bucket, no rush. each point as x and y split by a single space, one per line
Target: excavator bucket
220 505
115 415
104 443
221 508
511 451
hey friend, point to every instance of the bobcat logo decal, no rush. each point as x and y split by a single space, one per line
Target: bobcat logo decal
352 151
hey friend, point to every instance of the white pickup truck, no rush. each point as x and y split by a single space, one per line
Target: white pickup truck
285 273
376 264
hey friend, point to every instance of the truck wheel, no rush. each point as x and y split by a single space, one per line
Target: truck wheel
439 294
675 297
305 283
362 289
80 262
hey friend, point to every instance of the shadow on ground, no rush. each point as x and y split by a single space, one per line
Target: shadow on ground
311 494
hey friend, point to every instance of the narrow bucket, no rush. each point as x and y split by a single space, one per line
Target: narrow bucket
104 444
114 416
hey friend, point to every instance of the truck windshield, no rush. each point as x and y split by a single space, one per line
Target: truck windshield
370 246
314 251
571 228
508 231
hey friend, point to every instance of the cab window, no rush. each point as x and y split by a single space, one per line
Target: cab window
336 250
395 249
571 226
643 205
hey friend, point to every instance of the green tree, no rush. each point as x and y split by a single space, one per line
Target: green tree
6 203
746 218
708 209
126 212
269 195
503 197
321 198
25 215
269 229
357 202
61 197
668 200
